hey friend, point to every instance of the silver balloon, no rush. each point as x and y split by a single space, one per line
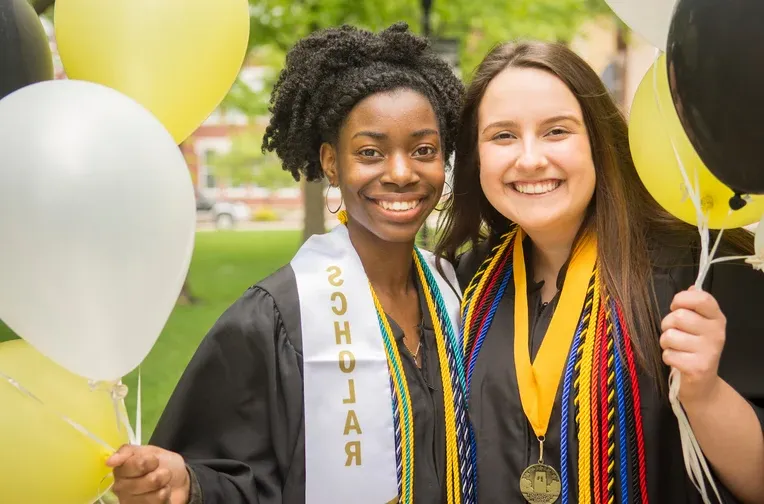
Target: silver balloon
649 18
97 220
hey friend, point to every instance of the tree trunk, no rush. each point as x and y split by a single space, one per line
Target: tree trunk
623 52
313 200
314 204
186 148
186 298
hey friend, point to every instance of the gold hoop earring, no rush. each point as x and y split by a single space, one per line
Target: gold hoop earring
444 203
326 200
450 190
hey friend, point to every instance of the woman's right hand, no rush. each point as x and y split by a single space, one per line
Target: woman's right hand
149 475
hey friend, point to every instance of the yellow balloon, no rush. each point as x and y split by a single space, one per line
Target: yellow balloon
43 458
178 58
650 135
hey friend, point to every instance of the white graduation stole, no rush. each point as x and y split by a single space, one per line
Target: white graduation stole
349 437
349 432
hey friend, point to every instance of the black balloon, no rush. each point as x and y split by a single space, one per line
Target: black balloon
715 58
25 56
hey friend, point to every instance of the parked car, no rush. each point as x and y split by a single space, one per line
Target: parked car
224 214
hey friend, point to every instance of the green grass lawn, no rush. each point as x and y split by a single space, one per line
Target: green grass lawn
223 266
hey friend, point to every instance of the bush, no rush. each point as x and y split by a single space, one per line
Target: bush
265 214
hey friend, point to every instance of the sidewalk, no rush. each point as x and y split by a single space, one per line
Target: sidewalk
286 225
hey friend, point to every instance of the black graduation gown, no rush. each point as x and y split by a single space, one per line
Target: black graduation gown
506 444
236 415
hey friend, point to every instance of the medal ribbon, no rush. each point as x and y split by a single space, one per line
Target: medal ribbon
538 382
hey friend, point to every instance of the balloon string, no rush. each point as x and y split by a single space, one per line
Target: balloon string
78 427
730 258
694 460
138 421
118 392
103 491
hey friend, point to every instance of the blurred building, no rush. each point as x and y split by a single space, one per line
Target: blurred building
620 65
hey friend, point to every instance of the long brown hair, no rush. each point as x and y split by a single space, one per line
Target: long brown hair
622 212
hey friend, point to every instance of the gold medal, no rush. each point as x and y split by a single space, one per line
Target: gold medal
540 484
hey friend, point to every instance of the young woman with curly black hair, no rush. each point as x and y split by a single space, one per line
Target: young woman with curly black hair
338 378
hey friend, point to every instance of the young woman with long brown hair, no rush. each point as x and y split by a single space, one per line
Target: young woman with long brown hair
577 303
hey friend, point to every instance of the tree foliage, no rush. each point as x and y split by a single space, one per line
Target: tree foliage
246 164
478 25
275 25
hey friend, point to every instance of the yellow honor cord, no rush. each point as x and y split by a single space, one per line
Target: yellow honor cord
453 482
538 382
584 407
402 391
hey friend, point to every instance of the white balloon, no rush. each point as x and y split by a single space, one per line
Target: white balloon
97 220
758 242
649 18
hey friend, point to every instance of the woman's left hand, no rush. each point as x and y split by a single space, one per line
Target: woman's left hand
692 341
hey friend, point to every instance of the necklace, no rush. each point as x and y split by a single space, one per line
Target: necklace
418 347
415 354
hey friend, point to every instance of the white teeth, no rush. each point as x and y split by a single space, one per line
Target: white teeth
537 187
398 206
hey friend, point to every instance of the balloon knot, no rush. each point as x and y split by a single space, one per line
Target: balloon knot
737 201
119 391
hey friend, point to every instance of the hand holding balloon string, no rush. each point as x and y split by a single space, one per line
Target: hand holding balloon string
692 342
150 475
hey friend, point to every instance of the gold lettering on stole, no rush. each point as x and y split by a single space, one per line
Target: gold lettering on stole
343 304
334 276
340 332
346 362
350 399
353 451
351 423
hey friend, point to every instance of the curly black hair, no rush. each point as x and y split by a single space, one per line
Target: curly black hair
329 72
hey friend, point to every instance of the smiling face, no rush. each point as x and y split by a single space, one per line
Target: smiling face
388 164
536 164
